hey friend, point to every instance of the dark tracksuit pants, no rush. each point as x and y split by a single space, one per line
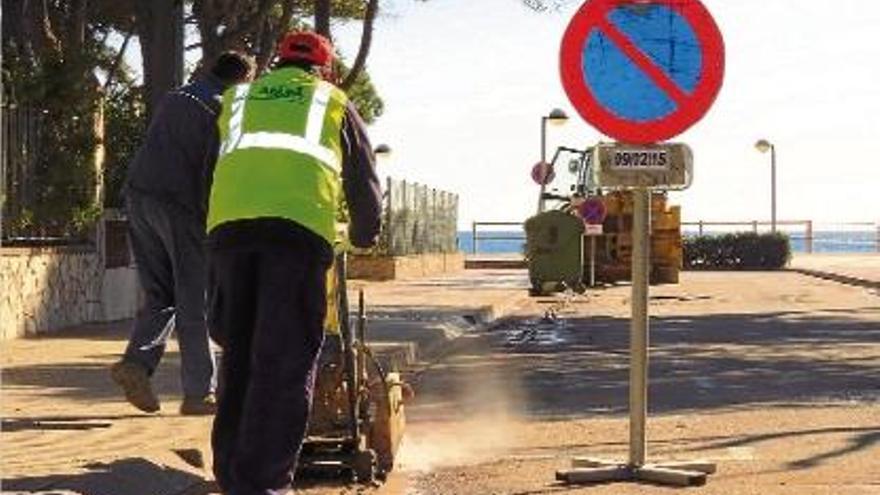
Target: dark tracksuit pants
168 245
267 312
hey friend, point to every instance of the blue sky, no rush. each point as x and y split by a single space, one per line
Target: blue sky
465 83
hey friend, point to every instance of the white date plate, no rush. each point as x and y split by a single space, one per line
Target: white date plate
661 166
640 159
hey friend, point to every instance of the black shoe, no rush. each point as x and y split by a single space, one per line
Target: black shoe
199 406
135 382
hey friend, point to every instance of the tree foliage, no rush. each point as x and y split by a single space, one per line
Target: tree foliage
125 113
546 5
362 93
50 52
54 51
255 26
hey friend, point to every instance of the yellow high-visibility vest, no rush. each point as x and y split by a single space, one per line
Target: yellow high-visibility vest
281 152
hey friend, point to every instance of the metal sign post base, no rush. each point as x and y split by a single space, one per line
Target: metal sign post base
588 471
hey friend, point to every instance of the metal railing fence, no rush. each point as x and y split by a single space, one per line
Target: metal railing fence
419 219
477 236
21 142
807 236
51 175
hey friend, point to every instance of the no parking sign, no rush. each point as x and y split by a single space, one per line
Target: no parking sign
593 211
642 71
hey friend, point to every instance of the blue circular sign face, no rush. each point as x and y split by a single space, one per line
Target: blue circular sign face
628 89
641 71
593 211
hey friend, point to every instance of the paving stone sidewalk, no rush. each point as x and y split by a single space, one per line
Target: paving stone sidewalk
67 430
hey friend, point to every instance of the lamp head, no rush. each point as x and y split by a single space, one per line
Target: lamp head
382 151
763 145
557 117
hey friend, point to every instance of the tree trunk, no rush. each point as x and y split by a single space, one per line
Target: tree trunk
269 39
159 23
76 36
117 61
323 12
247 26
41 35
360 61
207 18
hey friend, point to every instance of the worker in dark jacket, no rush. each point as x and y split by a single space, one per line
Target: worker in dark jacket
292 145
166 191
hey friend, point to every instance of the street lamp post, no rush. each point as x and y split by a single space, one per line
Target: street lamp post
382 151
764 146
556 117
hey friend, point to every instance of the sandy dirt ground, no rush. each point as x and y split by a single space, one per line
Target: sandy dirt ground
67 429
773 376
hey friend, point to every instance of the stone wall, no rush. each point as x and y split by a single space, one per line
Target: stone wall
121 294
44 289
404 267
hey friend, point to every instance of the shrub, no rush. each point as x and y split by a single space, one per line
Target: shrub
741 251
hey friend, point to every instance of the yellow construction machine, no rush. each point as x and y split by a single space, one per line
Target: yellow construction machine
561 253
357 419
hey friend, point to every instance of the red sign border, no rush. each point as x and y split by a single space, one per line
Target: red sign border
591 14
593 201
549 176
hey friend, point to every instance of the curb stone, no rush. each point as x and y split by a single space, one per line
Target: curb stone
837 277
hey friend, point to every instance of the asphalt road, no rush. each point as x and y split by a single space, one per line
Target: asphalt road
773 376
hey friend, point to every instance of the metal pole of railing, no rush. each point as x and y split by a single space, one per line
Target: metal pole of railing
389 216
809 240
773 190
878 237
543 160
701 228
755 226
407 235
474 238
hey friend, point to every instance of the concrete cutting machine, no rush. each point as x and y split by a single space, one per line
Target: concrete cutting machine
357 418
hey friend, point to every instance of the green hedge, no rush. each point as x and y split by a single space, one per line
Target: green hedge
741 251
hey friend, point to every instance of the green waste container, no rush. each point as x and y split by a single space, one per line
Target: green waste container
554 252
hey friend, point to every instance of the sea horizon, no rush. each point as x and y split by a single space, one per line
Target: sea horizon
823 241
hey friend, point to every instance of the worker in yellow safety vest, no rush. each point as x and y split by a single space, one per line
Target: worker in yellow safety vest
292 144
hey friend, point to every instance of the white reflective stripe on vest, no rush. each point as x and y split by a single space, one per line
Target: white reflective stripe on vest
237 118
317 112
280 140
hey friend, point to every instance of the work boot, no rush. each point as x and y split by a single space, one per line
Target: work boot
199 406
135 382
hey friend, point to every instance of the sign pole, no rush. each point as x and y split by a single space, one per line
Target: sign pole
543 160
638 371
592 261
590 470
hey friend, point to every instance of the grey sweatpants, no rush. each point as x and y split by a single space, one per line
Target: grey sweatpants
168 246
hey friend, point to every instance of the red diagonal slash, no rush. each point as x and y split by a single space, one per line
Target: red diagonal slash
644 62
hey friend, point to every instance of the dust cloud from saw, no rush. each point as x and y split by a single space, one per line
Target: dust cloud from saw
471 419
